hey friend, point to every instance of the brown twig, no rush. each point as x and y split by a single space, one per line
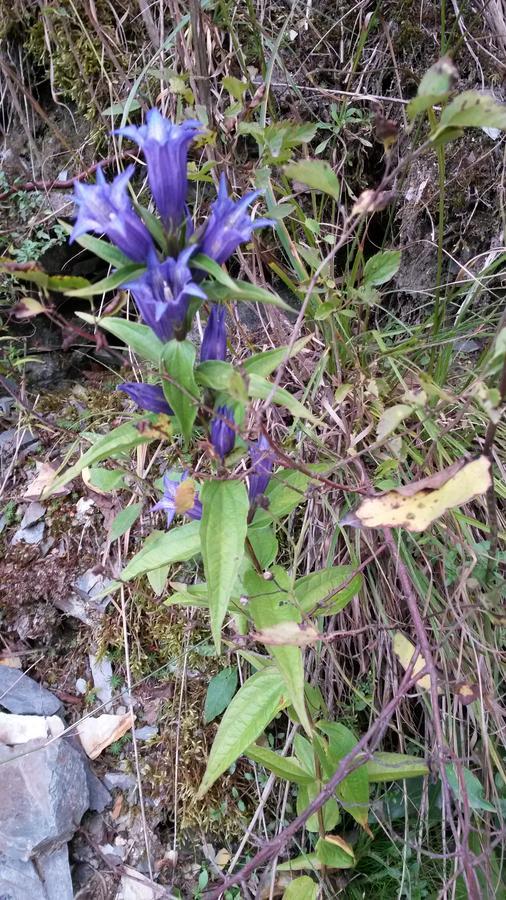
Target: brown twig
55 185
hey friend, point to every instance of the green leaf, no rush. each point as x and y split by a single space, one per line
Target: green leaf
317 174
306 862
121 439
391 418
334 852
285 493
225 507
103 249
434 87
472 787
312 589
285 767
381 267
353 791
221 376
267 362
306 793
158 579
269 606
235 87
259 389
243 290
107 479
253 707
469 110
164 548
121 276
265 545
140 338
386 767
222 688
303 888
179 359
124 520
117 109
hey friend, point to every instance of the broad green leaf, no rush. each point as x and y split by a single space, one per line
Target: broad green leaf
303 888
469 110
103 249
472 787
434 87
317 174
304 753
57 283
285 767
178 359
119 440
286 491
306 793
117 109
121 276
124 520
353 791
164 548
386 767
235 87
221 376
225 507
158 579
188 595
266 363
269 606
306 862
381 267
311 590
211 267
220 691
334 852
140 338
259 389
265 545
106 479
243 290
255 705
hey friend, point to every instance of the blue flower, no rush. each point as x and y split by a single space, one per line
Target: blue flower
179 496
262 461
214 342
165 148
222 435
229 225
106 209
163 293
148 396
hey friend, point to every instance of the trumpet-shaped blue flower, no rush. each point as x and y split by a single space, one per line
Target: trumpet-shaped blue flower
229 225
222 435
105 208
179 496
262 462
148 396
163 293
214 342
165 148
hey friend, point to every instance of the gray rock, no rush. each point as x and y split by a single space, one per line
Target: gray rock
100 797
33 512
31 535
44 797
120 781
146 732
49 880
21 694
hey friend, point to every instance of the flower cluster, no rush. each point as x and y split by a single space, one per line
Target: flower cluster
170 285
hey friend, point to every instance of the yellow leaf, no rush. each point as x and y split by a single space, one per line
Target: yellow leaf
404 651
340 842
288 633
415 506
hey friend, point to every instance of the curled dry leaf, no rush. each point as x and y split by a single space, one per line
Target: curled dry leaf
98 732
288 633
415 506
43 479
404 651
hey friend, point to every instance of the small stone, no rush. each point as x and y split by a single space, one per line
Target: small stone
81 686
120 781
21 694
101 671
31 535
34 511
146 732
134 886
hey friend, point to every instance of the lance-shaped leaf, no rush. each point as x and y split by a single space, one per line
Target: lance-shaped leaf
225 507
253 707
164 548
138 337
181 391
119 440
353 791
